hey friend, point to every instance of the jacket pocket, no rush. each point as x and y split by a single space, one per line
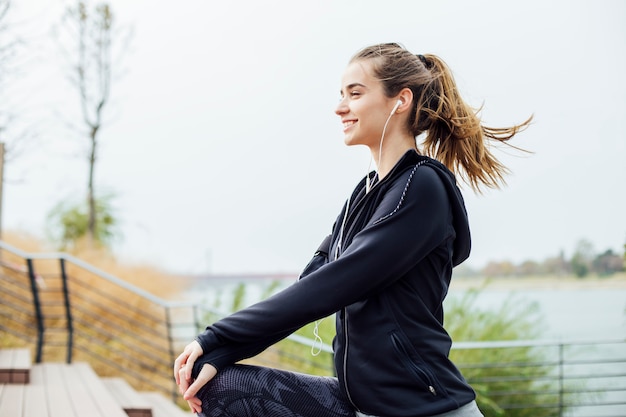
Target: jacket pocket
414 365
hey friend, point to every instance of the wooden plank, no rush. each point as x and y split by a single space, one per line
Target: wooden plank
12 400
15 365
79 392
35 399
35 402
36 375
133 404
21 366
57 396
162 407
6 359
21 359
105 402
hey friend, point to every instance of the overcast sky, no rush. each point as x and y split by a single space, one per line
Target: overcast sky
223 149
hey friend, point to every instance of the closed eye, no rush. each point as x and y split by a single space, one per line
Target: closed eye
353 89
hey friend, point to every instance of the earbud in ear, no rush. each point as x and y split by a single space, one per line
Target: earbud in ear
398 104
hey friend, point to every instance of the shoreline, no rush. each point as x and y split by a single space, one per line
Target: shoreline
617 281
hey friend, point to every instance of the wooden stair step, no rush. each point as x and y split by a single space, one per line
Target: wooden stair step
11 400
15 366
35 396
74 390
134 404
162 407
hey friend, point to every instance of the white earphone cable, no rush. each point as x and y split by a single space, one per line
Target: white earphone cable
368 187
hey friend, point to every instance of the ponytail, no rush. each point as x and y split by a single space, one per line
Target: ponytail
454 132
455 135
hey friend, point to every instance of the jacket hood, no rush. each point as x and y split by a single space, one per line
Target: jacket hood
462 242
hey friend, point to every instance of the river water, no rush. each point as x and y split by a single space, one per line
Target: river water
568 314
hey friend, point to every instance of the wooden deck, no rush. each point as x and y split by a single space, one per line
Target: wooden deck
71 390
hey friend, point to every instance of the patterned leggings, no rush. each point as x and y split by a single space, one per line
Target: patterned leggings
253 391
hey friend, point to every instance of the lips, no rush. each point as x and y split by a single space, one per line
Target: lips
347 124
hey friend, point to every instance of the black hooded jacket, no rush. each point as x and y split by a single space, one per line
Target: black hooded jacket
387 272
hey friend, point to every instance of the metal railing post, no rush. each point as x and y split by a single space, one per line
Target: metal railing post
68 312
170 338
37 307
561 376
196 318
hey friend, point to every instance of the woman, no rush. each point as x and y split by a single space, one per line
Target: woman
388 265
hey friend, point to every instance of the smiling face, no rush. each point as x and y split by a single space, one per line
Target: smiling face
364 107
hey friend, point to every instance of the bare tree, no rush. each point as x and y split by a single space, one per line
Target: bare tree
91 34
4 8
10 46
12 137
4 47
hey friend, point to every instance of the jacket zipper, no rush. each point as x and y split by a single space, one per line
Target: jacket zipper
345 358
352 215
338 250
404 356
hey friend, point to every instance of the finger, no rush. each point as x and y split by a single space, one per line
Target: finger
187 370
178 363
195 407
196 402
206 374
195 353
183 384
192 390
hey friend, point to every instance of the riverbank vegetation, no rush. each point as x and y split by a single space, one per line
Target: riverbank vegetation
584 262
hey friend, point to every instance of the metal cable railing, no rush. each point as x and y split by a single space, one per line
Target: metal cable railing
84 314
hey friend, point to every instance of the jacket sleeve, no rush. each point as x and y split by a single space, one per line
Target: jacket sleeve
225 355
412 219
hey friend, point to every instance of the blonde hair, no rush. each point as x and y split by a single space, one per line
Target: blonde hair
454 132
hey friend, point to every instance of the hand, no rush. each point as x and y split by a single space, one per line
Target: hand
189 392
183 366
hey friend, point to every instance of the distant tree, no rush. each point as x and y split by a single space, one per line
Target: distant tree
499 269
13 137
556 265
608 263
582 259
6 46
4 9
528 267
464 270
90 31
68 224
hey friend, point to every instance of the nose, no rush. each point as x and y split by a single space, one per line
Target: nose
342 108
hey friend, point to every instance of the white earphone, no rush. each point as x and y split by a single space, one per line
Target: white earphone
368 186
398 104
